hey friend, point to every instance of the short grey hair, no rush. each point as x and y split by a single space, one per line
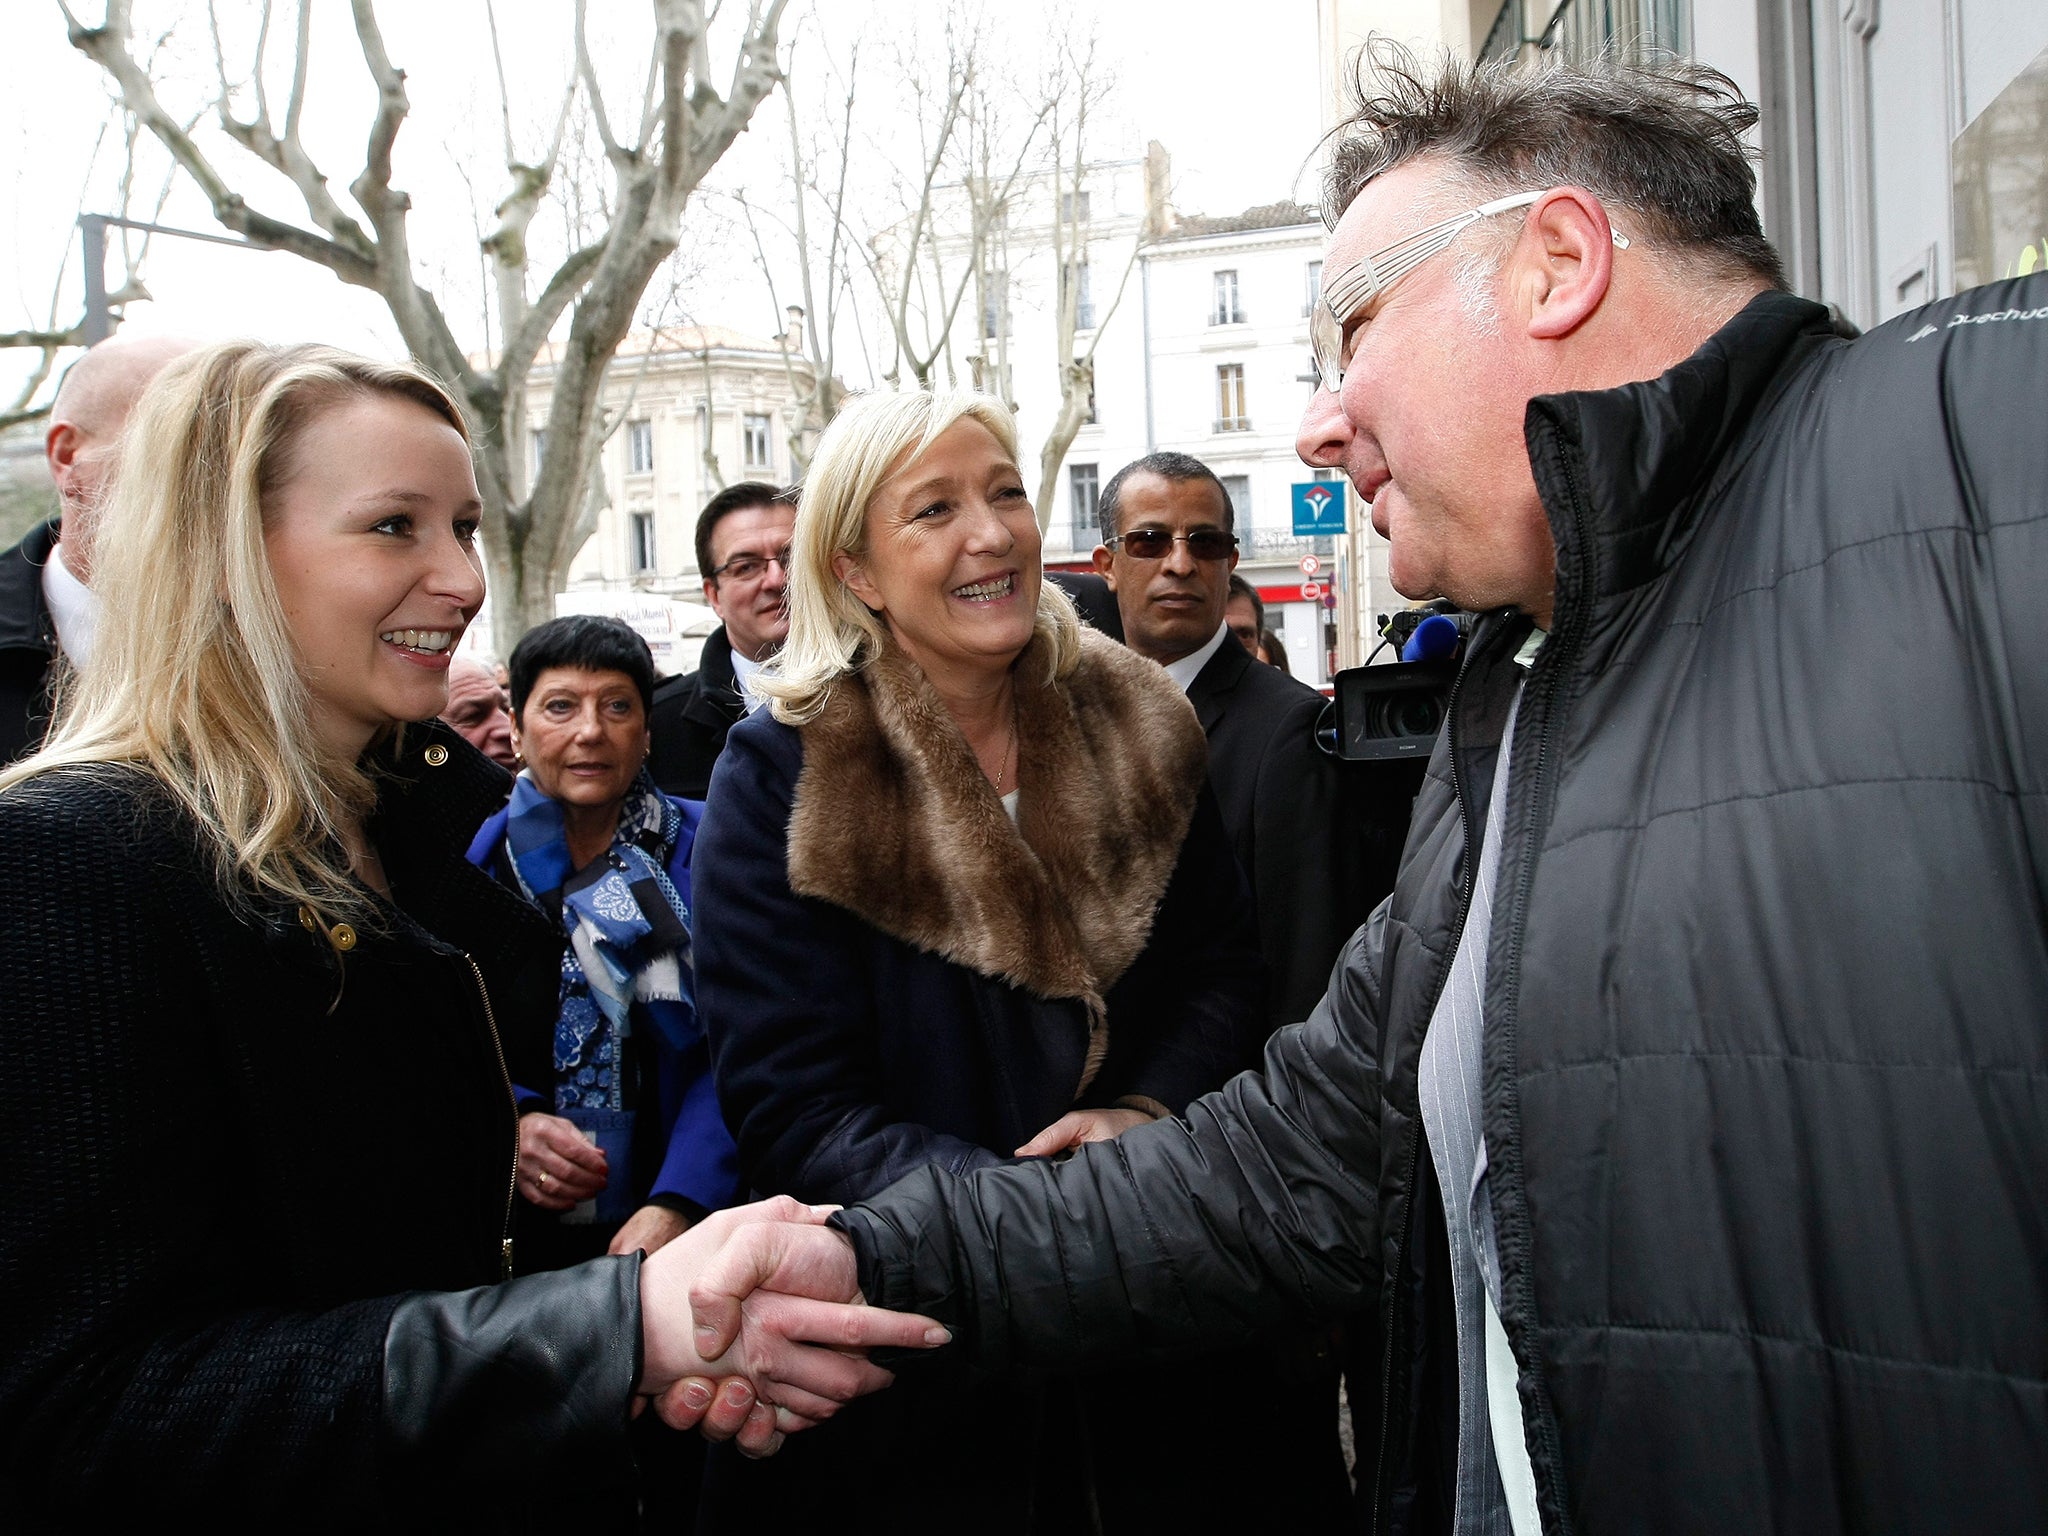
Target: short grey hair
1662 140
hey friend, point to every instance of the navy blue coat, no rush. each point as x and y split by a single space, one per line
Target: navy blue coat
849 1055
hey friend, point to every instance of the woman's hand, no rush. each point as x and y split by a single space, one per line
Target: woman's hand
1079 1127
558 1169
649 1229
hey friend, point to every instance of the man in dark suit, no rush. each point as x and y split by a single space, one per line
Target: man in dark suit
1168 553
46 605
743 550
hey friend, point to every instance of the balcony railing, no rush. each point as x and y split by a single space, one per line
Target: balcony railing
1584 30
1233 424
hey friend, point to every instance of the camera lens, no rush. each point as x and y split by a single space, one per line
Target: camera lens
1404 714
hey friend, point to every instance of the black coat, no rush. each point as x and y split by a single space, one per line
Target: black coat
1295 819
28 644
234 1147
848 1054
1766 980
690 718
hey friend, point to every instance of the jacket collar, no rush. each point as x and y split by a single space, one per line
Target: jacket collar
24 616
717 700
433 791
895 822
1642 458
1211 690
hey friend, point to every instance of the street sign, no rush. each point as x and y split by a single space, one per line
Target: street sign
1310 565
1311 591
1318 508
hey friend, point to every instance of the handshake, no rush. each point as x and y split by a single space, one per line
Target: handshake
753 1327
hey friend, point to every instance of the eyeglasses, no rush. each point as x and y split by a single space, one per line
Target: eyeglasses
751 567
1155 543
1346 294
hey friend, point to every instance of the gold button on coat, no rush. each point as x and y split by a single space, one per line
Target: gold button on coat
344 937
436 755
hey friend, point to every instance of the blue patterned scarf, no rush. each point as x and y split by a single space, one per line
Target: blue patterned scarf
628 929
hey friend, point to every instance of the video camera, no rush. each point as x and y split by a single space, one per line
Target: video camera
1393 713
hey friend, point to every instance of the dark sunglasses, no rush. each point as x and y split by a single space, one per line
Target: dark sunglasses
1154 543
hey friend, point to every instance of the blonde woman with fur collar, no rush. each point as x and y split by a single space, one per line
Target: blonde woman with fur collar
962 897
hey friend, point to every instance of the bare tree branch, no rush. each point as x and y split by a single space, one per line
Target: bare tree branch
588 73
530 532
107 45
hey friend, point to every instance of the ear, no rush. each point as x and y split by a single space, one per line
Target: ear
711 597
61 446
1235 556
1105 565
1563 263
855 580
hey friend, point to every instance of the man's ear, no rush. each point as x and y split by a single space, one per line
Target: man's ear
1105 565
1563 263
711 597
856 581
61 447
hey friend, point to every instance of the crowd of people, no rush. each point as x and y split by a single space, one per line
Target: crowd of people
415 1070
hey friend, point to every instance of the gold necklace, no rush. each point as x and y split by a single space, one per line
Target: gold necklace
1010 750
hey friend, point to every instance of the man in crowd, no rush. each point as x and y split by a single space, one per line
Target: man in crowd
1681 1110
46 605
1168 552
742 544
478 710
1245 612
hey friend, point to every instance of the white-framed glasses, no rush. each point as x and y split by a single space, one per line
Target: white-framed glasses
1356 285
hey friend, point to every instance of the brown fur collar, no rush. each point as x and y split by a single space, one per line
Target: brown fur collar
895 821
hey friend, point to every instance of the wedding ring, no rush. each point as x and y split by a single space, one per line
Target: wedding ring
542 1181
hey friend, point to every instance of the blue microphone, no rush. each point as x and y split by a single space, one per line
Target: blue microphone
1434 638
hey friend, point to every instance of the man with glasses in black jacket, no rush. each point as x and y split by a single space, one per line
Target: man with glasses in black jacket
742 546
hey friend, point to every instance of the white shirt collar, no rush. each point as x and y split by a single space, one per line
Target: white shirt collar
73 609
743 670
1184 671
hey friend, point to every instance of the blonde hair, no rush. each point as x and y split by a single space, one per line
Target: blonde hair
193 676
831 631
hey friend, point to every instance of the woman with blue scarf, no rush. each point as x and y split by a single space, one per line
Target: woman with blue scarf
621 1144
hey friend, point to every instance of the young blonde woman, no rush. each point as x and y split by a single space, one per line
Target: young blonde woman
255 1010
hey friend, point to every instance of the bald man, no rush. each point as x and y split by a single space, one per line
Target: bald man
46 603
477 710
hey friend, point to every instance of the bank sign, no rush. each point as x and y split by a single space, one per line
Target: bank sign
1318 508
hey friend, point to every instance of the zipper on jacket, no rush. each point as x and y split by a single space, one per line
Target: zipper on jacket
505 1075
1566 638
1380 1491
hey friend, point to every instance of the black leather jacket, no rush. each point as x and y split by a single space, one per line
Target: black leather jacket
1766 975
258 1181
27 643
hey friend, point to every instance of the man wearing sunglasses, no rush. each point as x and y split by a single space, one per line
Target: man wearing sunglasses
1168 552
742 546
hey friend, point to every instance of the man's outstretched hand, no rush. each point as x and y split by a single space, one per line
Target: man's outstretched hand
753 1325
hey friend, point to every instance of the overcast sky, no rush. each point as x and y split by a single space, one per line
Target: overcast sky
1235 104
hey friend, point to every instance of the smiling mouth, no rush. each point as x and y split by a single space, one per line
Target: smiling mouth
427 642
993 590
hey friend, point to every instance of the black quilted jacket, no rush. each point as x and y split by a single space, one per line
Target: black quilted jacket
230 1154
1766 1093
